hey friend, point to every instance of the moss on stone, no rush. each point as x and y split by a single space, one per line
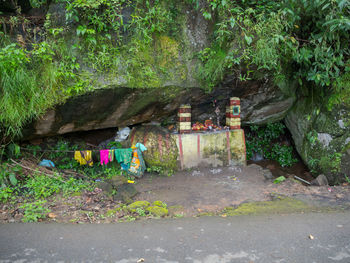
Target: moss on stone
138 204
280 205
157 211
160 204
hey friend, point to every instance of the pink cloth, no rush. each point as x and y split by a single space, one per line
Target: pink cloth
104 156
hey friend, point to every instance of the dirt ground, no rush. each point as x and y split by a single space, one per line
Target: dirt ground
213 189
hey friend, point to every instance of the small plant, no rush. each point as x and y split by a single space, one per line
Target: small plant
129 218
347 179
279 180
140 211
160 170
5 193
8 175
34 211
265 140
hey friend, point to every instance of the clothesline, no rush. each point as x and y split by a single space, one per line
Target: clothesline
68 151
73 151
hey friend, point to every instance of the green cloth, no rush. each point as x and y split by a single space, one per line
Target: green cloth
123 155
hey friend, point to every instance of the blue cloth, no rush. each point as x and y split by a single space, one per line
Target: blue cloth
47 163
141 147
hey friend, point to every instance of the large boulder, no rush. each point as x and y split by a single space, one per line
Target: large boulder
161 146
322 137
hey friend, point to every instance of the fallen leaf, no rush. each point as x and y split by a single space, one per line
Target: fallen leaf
224 215
311 237
52 215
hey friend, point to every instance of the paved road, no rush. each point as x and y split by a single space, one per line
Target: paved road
272 238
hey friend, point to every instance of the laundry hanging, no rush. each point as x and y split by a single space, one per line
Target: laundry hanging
123 156
104 156
83 157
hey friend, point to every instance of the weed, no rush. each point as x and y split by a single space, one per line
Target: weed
6 193
34 211
264 140
179 215
160 170
128 218
140 211
279 180
347 179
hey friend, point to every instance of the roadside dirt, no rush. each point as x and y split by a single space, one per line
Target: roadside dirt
213 189
189 193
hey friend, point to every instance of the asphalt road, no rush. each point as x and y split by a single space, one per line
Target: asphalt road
268 238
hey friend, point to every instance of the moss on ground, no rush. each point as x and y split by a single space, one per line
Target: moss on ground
279 205
138 204
157 211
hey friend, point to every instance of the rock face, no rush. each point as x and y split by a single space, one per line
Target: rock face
122 106
322 138
127 96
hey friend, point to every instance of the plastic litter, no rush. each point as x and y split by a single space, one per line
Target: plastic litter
47 163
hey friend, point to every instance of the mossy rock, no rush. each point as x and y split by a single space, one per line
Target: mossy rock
160 204
138 204
157 211
161 147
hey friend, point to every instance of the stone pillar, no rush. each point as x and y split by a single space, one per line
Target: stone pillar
235 113
184 119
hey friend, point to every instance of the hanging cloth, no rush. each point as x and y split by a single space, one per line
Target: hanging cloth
123 155
104 157
137 166
83 157
111 155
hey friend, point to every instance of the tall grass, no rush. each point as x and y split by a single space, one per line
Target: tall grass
27 90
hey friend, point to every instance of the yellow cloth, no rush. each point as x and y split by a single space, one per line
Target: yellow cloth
83 157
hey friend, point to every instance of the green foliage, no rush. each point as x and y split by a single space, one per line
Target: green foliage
61 157
330 162
34 211
13 151
37 3
160 170
341 91
8 181
8 175
6 193
24 95
114 145
140 211
279 180
299 40
264 140
41 186
283 154
49 71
